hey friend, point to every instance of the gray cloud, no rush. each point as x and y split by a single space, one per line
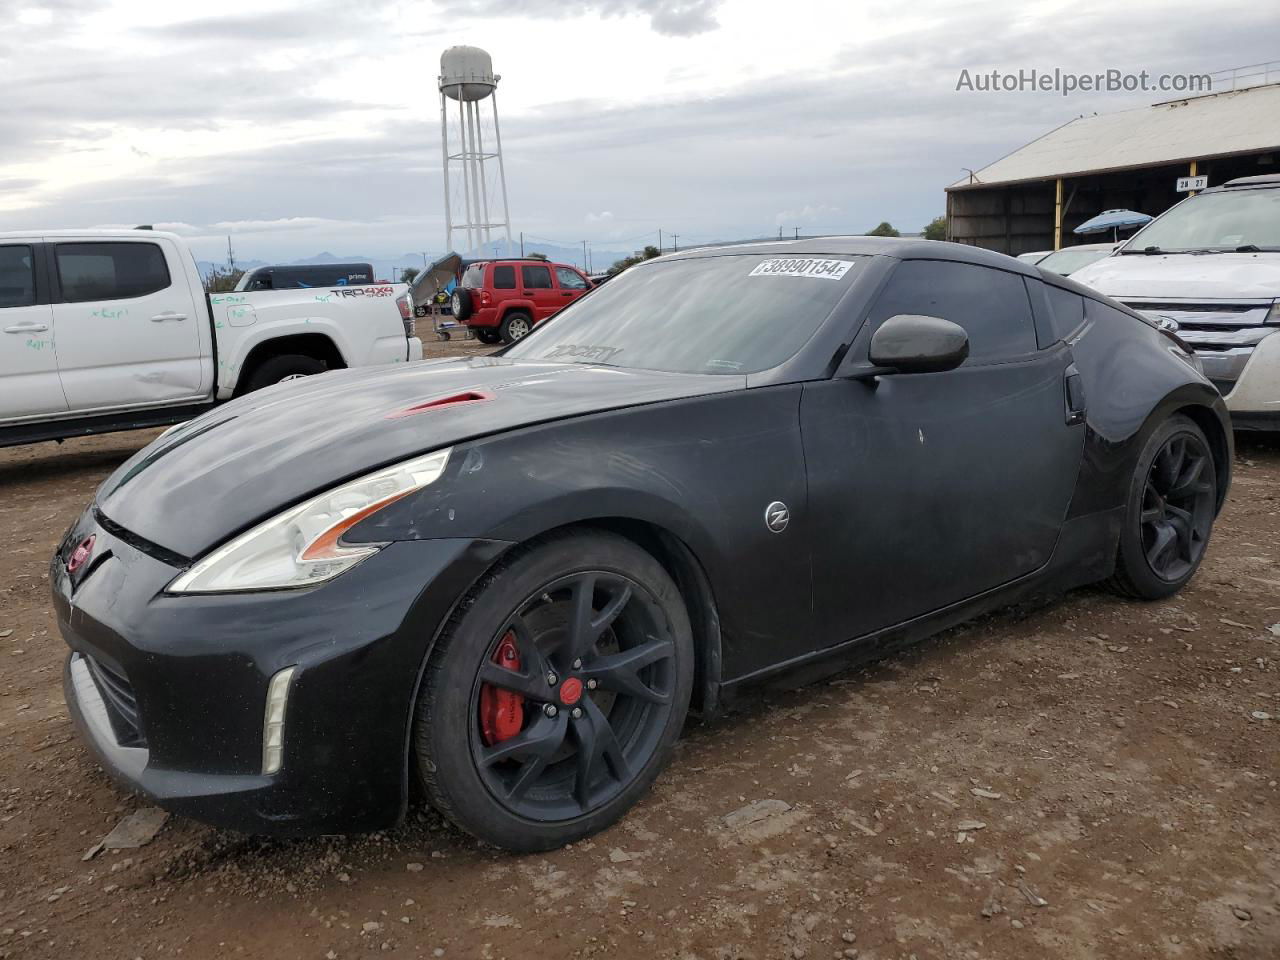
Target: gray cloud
878 137
672 18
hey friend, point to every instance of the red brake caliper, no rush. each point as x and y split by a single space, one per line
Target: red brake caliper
502 711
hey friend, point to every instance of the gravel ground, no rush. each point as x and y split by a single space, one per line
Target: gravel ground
1092 779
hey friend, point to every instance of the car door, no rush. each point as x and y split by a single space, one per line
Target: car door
932 488
538 288
29 384
572 285
128 323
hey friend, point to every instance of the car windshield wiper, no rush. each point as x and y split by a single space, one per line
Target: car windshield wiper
1148 251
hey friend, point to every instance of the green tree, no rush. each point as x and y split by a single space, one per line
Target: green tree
407 274
222 280
885 229
537 256
936 229
648 253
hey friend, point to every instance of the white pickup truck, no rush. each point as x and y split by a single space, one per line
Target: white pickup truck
108 330
1209 269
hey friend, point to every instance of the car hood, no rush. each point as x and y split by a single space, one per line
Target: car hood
214 476
1206 277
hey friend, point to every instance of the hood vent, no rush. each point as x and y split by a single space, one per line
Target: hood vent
426 406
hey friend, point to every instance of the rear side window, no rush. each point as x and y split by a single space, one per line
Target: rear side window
537 278
110 271
1066 311
17 276
504 277
570 279
473 279
991 305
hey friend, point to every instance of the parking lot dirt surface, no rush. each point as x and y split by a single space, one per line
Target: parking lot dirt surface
1094 778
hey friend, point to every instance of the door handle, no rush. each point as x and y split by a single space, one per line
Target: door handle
526 293
566 294
1075 397
27 327
161 317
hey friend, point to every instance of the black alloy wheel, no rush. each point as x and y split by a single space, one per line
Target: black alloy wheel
1169 517
1177 507
555 697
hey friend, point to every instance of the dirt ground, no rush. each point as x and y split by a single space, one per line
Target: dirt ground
1094 779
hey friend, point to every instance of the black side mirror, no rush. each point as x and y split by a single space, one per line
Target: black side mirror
909 343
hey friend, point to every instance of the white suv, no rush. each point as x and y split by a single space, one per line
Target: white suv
1209 268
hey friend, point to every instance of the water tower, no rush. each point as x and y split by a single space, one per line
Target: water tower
467 79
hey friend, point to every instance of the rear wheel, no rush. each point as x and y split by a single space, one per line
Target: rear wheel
1170 512
485 335
515 325
556 693
279 369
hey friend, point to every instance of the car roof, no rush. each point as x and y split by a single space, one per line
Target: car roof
898 247
1247 183
92 233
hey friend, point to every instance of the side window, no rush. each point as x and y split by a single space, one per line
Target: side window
504 277
17 276
991 305
110 271
1066 311
536 278
473 279
570 279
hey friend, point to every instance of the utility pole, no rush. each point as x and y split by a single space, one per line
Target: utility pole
521 244
424 260
659 239
231 256
675 243
797 233
584 257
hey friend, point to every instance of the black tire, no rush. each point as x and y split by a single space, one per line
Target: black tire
460 301
1169 513
514 326
285 367
485 335
420 311
575 769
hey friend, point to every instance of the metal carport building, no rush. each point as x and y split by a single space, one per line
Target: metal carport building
1033 198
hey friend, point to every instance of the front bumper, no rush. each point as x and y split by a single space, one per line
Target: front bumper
170 691
1254 396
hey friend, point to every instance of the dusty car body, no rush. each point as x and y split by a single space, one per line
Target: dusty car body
859 481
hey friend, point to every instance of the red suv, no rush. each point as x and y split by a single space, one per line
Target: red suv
501 300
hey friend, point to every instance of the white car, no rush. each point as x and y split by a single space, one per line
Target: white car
1209 269
111 330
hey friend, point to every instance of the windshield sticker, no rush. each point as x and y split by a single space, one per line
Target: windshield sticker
802 267
582 351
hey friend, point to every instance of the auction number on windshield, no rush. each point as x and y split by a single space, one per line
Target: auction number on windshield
802 267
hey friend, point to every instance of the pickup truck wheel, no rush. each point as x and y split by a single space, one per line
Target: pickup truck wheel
487 336
279 369
515 325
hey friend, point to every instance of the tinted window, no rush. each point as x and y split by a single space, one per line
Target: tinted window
570 279
17 277
1066 311
110 271
537 278
704 315
504 277
991 305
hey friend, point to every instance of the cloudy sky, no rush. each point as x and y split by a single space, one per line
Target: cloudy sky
305 126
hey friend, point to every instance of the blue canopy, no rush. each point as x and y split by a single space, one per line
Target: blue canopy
1113 220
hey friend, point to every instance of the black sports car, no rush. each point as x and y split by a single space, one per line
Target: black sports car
508 579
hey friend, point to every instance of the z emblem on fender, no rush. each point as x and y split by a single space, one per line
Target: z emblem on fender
777 516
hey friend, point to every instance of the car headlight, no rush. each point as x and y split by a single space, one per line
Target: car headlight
303 545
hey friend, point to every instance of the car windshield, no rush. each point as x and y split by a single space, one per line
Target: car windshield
719 314
1215 221
1070 260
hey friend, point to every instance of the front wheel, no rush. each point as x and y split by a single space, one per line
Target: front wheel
1169 514
556 693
